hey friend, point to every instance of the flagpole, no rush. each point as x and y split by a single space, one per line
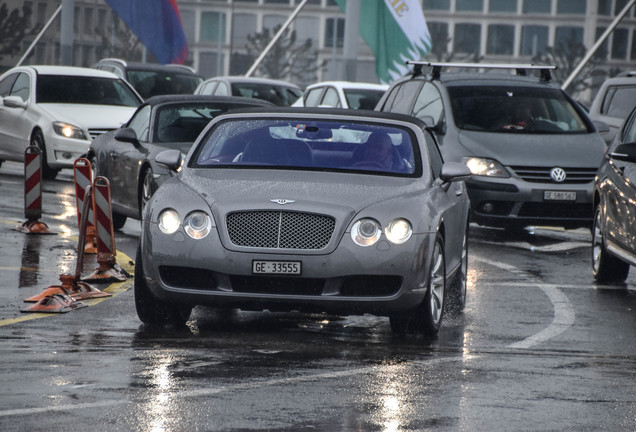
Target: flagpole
39 36
275 38
350 48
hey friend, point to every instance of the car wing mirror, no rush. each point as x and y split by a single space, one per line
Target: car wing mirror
127 135
601 126
624 152
454 171
14 102
170 159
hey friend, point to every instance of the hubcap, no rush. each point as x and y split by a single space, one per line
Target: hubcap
597 242
437 284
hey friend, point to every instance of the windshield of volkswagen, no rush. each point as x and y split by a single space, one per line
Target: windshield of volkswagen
310 145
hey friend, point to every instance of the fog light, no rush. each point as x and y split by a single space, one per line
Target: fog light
488 207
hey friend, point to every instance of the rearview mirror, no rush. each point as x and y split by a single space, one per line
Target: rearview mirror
624 152
170 159
454 171
127 135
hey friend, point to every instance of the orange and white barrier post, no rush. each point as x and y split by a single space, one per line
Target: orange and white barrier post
108 268
83 174
33 193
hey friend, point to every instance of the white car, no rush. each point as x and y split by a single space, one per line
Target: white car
342 94
60 109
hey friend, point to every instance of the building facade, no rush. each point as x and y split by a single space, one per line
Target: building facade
217 32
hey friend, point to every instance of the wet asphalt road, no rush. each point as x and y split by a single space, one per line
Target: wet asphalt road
540 347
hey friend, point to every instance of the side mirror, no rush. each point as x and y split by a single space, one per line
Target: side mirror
601 126
624 152
127 135
170 159
14 102
454 171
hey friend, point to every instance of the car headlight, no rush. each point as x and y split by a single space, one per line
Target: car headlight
485 167
366 232
68 130
169 221
197 224
398 231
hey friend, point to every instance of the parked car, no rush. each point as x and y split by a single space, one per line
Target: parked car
531 148
342 94
151 79
126 157
613 102
614 233
281 93
60 109
299 209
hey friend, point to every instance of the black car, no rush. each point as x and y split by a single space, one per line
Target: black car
126 156
614 234
531 148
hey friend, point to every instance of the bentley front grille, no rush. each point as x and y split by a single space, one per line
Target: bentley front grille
280 229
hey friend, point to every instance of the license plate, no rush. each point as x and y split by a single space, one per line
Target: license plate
276 267
559 196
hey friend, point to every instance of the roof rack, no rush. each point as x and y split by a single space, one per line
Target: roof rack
520 68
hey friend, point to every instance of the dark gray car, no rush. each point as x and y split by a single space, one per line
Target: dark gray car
532 150
345 211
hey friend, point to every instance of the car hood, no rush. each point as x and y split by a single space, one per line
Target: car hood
580 150
89 116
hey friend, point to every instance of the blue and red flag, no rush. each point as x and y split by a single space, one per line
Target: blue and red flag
157 24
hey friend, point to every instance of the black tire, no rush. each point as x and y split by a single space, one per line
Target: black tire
427 317
456 296
606 268
119 221
37 139
151 310
146 190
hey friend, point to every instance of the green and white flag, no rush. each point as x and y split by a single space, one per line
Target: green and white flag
396 31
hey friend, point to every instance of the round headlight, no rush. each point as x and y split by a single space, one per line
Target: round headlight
366 232
197 224
169 221
398 231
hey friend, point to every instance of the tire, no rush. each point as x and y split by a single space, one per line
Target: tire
119 221
456 296
146 190
151 310
606 267
37 139
427 317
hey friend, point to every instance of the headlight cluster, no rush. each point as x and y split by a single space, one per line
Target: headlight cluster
196 224
69 131
485 167
367 231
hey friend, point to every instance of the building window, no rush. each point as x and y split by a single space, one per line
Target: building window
470 5
467 38
620 5
272 21
212 27
500 39
436 5
604 7
571 7
567 35
534 40
602 50
632 54
242 26
502 6
334 27
88 20
537 6
307 28
619 44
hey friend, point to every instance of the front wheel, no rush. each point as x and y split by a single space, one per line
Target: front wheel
456 301
152 310
427 317
147 189
37 139
606 267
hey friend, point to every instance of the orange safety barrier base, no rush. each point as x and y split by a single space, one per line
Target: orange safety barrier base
90 246
34 227
56 303
70 287
108 270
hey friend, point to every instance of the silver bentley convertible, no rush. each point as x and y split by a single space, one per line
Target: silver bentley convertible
300 209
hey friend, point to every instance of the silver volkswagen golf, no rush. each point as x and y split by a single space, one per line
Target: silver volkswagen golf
311 210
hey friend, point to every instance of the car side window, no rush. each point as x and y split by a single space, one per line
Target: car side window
222 90
619 101
22 87
140 123
313 97
6 84
434 154
331 98
428 103
401 98
629 134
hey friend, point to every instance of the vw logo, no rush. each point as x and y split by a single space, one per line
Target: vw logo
557 174
282 201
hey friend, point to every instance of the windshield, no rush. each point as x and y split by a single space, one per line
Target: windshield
312 145
363 98
276 94
153 83
74 89
183 122
514 109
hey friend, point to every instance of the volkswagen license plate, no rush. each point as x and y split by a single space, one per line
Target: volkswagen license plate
559 196
276 267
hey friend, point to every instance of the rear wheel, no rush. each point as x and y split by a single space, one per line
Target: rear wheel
37 139
119 221
606 267
427 318
152 310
